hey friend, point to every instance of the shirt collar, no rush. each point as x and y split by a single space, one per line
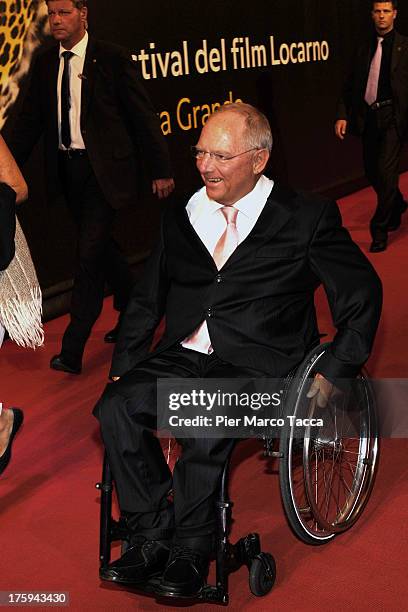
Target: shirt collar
79 49
387 37
253 202
250 205
390 35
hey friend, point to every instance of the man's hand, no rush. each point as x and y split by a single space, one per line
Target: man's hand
162 187
115 378
321 389
340 128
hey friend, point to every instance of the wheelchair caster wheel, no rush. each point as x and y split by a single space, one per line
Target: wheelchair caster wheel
262 574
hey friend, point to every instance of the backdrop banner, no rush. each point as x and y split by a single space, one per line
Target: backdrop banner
288 58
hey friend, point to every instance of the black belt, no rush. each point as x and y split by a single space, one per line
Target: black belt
71 153
381 104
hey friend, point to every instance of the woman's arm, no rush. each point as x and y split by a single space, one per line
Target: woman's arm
10 173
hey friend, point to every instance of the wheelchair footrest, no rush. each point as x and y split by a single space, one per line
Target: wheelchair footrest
246 549
209 593
242 553
214 594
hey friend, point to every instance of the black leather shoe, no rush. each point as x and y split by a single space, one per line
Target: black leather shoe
403 207
144 560
112 336
377 246
394 224
395 221
185 574
17 422
58 362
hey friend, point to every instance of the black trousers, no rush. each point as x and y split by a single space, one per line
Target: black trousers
98 257
382 147
127 415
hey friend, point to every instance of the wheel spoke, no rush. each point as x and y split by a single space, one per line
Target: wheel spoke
329 479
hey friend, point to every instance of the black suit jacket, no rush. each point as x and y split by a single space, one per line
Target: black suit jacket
260 306
7 224
352 106
118 123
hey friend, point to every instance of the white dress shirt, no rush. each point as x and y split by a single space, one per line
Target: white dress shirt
209 223
76 64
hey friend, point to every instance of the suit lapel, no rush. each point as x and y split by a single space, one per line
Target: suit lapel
274 216
397 51
191 235
367 61
88 77
52 94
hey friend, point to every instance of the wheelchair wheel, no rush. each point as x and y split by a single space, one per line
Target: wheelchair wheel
262 574
327 472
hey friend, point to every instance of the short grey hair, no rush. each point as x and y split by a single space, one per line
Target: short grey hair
258 131
393 2
77 3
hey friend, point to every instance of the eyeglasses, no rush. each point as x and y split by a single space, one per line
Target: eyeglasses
218 157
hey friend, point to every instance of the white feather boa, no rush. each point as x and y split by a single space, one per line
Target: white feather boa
20 297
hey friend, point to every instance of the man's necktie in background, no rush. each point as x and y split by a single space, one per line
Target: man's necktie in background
66 101
374 74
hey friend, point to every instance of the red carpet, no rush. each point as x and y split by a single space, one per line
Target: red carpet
49 508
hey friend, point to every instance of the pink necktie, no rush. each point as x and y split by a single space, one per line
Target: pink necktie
374 75
226 245
228 242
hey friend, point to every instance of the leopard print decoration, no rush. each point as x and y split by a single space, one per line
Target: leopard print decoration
23 25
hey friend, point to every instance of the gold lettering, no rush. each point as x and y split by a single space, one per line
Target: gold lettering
301 57
293 58
177 64
316 51
184 126
214 59
258 56
206 113
165 123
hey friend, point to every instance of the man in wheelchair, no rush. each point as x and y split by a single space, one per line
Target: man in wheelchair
234 274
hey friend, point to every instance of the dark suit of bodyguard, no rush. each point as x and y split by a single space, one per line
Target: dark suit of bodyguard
382 125
118 128
118 122
352 105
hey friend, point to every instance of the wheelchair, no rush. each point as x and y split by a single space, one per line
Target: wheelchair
326 476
